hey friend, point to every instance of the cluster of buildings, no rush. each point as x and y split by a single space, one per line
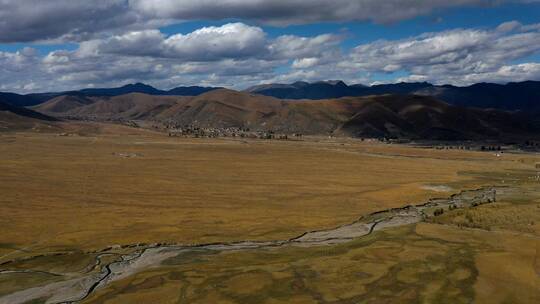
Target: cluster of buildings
212 132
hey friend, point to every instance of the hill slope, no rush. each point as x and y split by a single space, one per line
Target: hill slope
393 116
122 107
428 118
15 118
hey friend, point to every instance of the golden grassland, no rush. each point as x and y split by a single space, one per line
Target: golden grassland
496 217
113 185
87 192
423 263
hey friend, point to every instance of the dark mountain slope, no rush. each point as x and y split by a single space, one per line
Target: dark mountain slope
130 88
305 90
427 118
523 96
333 89
24 112
18 100
17 118
189 91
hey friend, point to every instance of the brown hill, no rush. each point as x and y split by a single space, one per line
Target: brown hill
63 104
129 106
428 118
227 108
18 118
223 108
394 116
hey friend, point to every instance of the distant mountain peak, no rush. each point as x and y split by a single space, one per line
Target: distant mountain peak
300 84
137 85
335 82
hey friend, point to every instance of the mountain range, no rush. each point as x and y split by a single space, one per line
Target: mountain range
402 110
512 96
37 98
390 116
523 96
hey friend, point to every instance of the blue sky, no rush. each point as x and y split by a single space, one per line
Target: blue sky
58 44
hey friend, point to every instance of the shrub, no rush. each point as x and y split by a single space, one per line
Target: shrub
438 212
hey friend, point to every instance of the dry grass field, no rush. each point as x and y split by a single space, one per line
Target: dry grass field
425 263
421 263
89 192
118 186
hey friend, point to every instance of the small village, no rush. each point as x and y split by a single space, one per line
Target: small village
192 131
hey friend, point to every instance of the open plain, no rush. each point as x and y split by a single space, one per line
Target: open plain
79 201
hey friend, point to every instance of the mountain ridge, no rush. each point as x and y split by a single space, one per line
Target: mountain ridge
380 116
38 98
524 96
511 96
